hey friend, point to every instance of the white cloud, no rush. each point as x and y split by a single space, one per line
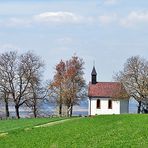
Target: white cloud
50 18
107 19
44 18
58 17
110 2
134 18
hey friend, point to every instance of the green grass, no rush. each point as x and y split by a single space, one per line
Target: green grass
9 125
101 131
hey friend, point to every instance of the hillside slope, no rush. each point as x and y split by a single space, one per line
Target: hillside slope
99 131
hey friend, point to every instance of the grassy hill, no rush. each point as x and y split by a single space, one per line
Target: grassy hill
100 131
11 125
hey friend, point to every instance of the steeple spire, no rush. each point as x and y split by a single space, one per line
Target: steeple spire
94 76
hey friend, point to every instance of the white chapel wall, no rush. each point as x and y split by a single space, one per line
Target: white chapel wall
104 107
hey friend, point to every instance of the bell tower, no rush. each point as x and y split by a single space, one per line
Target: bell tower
94 76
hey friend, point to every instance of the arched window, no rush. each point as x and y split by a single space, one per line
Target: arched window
98 105
109 104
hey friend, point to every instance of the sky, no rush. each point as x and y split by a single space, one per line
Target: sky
105 31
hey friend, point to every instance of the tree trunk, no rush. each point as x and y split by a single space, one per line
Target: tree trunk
35 114
60 105
68 111
17 111
60 109
7 108
35 111
139 107
71 110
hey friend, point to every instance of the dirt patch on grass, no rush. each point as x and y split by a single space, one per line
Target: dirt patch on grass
54 123
3 134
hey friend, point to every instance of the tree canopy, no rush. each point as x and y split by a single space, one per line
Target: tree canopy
134 77
18 73
68 85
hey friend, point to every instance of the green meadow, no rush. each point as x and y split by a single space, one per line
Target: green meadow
99 131
12 125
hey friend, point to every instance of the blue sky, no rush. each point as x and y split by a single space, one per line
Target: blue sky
105 31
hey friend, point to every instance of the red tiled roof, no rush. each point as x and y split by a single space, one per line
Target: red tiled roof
105 89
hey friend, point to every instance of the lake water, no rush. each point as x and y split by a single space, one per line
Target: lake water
49 109
83 108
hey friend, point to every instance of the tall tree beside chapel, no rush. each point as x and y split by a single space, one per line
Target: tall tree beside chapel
75 83
68 84
57 85
134 77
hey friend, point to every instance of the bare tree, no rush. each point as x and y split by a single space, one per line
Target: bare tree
37 94
134 77
7 68
4 93
5 98
17 71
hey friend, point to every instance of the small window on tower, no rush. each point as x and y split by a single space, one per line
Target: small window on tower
109 104
98 104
